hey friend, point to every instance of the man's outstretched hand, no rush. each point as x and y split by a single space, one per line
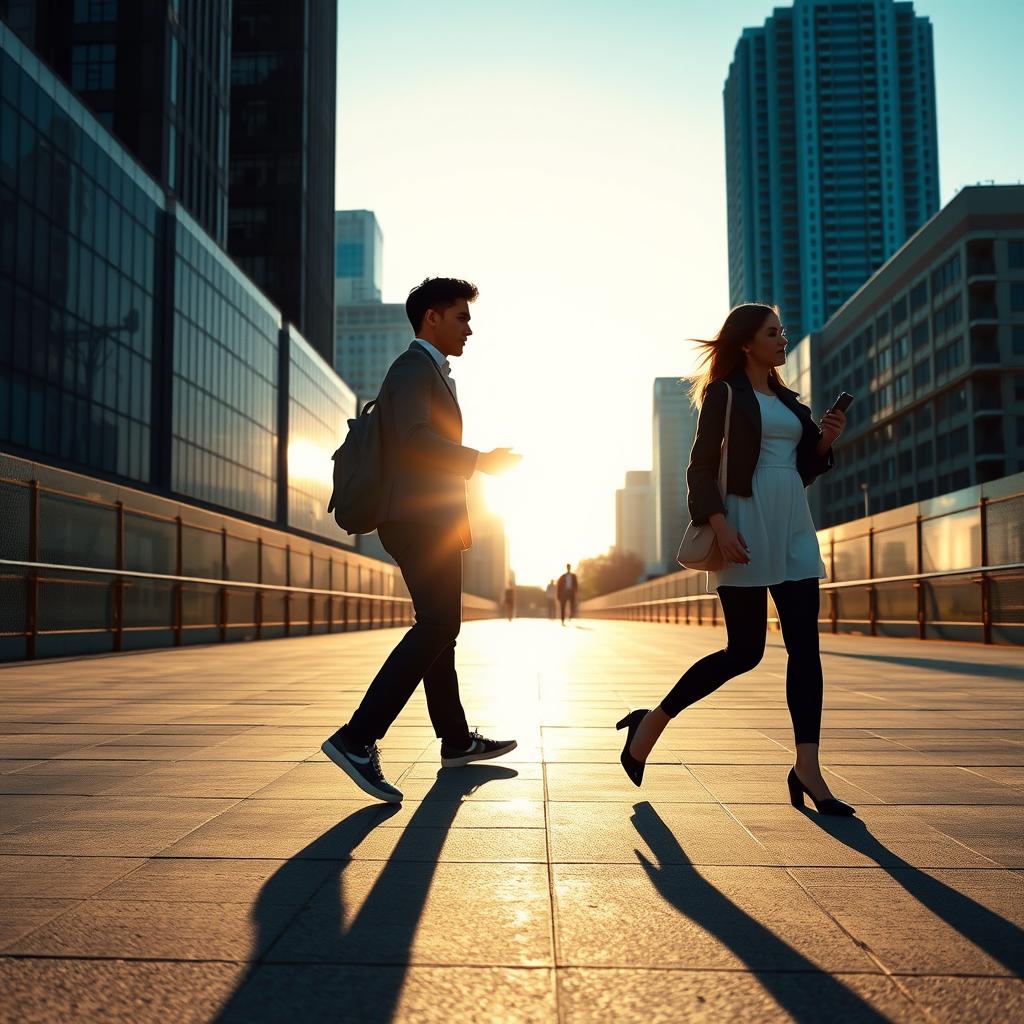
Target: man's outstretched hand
499 460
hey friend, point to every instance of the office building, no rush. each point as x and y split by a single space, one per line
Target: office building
932 348
675 424
156 75
831 151
131 347
634 517
282 156
369 334
358 252
369 337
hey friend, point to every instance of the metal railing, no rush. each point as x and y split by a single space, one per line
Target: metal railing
90 567
977 595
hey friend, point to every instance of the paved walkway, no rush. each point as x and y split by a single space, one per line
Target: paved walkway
173 846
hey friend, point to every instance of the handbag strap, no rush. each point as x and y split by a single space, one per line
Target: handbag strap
723 463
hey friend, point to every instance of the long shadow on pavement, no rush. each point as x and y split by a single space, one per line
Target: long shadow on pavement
973 668
1000 939
801 988
315 968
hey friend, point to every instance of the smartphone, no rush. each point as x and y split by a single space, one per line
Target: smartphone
843 402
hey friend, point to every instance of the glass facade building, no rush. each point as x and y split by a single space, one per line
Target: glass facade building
932 348
79 250
131 347
831 151
225 376
319 407
155 74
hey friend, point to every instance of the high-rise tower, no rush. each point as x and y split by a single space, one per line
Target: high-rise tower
831 151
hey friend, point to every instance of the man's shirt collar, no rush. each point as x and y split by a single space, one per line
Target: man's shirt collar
434 353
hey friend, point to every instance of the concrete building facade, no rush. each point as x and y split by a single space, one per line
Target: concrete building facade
932 348
675 424
634 517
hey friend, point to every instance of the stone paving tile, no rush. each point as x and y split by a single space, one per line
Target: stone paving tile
1012 776
319 780
219 880
22 809
41 991
202 779
679 916
22 916
413 913
132 930
115 826
61 877
635 996
591 833
928 921
74 778
399 995
740 785
930 786
605 782
978 1000
878 835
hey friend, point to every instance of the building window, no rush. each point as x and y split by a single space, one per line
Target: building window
950 356
899 310
946 274
924 454
95 10
918 296
1015 253
923 373
253 68
1018 340
899 348
901 386
92 67
1017 296
919 335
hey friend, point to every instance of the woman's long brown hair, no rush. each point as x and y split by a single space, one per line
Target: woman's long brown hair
724 352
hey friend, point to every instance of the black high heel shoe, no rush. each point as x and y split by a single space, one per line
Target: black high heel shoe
830 805
634 768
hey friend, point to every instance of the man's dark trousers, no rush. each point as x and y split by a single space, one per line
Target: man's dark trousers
430 558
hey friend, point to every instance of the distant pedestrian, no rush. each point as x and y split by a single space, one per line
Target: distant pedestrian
765 536
568 589
552 596
510 602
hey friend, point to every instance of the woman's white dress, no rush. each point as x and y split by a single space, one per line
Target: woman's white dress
775 520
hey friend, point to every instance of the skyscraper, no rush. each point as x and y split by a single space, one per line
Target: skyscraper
358 250
369 334
831 151
155 74
634 517
675 423
281 220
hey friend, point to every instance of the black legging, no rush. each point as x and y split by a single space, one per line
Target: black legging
746 622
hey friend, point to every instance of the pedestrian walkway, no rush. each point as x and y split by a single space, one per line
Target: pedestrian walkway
174 847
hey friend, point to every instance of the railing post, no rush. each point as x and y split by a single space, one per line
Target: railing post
312 599
986 582
872 605
117 595
330 599
178 611
919 587
257 600
833 594
288 592
32 579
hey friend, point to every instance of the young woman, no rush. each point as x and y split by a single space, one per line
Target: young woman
764 529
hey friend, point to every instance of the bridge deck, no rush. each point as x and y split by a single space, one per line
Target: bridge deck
173 846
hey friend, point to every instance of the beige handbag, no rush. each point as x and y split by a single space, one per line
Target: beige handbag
699 547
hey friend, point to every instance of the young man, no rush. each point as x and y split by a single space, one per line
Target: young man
425 528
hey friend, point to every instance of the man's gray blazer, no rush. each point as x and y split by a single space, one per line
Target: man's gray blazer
426 462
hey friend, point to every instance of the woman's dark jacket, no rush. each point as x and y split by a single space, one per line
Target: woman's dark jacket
703 497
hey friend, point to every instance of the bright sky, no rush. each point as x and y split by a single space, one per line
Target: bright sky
569 159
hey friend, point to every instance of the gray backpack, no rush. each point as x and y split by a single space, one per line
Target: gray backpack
359 475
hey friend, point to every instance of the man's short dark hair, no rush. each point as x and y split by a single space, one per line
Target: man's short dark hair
438 293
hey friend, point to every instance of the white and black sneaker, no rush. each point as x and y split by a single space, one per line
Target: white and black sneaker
362 765
480 749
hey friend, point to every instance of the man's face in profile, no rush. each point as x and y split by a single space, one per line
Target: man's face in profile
452 328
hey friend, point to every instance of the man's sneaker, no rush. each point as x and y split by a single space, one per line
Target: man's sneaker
480 749
362 765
